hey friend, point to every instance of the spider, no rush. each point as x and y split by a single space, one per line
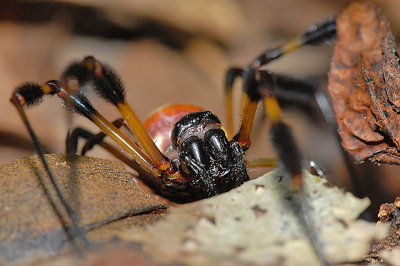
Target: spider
182 151
202 162
205 164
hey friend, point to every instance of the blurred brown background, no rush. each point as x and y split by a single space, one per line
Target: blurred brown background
167 51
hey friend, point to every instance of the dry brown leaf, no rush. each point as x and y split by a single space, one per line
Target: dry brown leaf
363 86
99 191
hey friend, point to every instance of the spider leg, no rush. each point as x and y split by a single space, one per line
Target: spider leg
74 136
317 34
97 139
30 94
81 105
304 93
102 78
92 139
292 160
314 168
290 90
77 102
260 87
230 77
290 157
164 173
298 92
263 162
91 73
109 86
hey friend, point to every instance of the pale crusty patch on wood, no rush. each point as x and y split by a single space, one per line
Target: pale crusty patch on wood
256 224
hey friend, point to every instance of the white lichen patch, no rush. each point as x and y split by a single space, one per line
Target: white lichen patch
260 223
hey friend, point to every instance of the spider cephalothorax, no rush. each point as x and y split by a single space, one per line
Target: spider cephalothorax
207 159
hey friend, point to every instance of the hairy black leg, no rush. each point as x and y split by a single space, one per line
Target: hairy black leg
305 93
109 86
74 136
30 94
288 151
289 156
78 133
259 85
316 34
297 92
92 139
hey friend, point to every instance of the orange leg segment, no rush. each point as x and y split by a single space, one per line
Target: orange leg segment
143 136
82 106
109 86
248 113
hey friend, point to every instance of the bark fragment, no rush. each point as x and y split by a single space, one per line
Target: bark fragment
363 85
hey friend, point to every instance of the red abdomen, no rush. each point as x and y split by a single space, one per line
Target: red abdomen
160 123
